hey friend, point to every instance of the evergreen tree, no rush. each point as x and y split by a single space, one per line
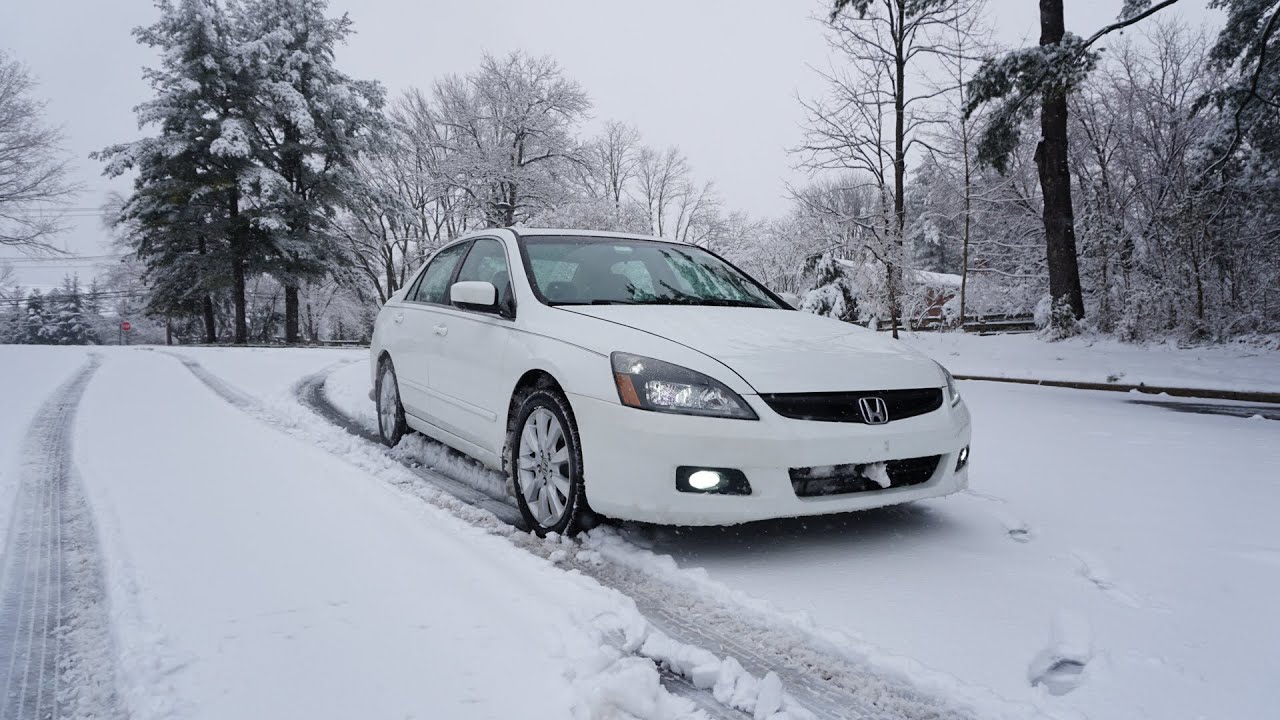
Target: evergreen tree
831 295
11 322
66 317
310 122
35 324
184 219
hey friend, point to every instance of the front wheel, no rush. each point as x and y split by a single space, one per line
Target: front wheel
545 464
391 423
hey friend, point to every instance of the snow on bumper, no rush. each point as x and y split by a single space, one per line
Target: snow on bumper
630 458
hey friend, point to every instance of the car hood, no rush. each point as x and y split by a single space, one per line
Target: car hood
783 351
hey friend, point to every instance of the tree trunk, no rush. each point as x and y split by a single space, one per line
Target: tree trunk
291 314
237 294
237 269
968 221
1055 177
210 325
899 166
210 330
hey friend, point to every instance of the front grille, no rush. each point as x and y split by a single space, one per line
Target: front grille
845 479
843 406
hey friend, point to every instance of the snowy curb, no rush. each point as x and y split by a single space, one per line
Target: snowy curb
1237 395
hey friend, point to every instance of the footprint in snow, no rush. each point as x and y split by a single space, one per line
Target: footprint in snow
1017 530
984 496
1060 666
1095 571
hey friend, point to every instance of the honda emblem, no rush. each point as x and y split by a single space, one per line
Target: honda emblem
874 411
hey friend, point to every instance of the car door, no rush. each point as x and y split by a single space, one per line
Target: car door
466 385
415 320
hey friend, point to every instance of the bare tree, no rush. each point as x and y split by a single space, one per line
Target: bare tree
508 126
953 149
610 163
879 108
34 182
664 178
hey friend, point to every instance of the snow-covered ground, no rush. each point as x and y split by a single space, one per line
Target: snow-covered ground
1137 541
251 573
1240 366
260 563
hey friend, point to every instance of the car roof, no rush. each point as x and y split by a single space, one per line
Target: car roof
587 234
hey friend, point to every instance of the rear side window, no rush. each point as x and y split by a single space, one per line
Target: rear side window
434 287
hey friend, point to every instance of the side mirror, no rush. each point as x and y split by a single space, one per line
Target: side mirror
475 294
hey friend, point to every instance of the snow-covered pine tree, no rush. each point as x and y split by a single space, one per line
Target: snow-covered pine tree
311 121
831 294
67 318
185 219
35 323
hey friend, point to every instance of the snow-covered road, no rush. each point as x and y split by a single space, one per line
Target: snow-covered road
260 562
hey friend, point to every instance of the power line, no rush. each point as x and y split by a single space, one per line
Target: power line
60 259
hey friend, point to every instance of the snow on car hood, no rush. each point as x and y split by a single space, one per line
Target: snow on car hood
783 351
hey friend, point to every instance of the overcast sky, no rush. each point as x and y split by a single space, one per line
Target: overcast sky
716 77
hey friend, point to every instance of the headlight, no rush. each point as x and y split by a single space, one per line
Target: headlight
952 392
655 385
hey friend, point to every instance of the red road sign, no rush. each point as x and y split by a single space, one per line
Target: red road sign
126 326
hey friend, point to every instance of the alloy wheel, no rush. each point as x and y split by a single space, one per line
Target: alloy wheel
387 402
543 467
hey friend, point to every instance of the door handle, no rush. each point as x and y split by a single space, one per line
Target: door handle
398 317
441 330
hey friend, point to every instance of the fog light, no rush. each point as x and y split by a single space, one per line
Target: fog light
963 459
712 481
705 480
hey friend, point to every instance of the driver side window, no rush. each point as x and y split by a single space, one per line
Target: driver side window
434 286
487 262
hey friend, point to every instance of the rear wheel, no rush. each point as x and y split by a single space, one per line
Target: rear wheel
545 464
391 423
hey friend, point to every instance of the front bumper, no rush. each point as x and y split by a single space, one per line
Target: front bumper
630 458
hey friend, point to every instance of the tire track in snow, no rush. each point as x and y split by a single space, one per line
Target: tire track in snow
826 684
310 393
54 638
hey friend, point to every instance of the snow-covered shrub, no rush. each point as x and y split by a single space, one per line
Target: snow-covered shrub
1062 322
831 294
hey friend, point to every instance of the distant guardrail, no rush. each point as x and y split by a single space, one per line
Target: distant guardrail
981 325
993 324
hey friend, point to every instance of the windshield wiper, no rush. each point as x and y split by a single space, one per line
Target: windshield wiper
725 302
689 300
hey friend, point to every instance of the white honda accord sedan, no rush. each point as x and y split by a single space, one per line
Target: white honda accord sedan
642 379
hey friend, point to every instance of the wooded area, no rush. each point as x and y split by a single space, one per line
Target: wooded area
1125 184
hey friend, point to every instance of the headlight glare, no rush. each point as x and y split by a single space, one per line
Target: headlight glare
660 386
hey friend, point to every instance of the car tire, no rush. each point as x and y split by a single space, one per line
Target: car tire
544 463
391 422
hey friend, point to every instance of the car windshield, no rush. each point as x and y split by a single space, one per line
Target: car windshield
607 271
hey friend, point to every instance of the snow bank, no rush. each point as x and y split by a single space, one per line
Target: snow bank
1084 359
